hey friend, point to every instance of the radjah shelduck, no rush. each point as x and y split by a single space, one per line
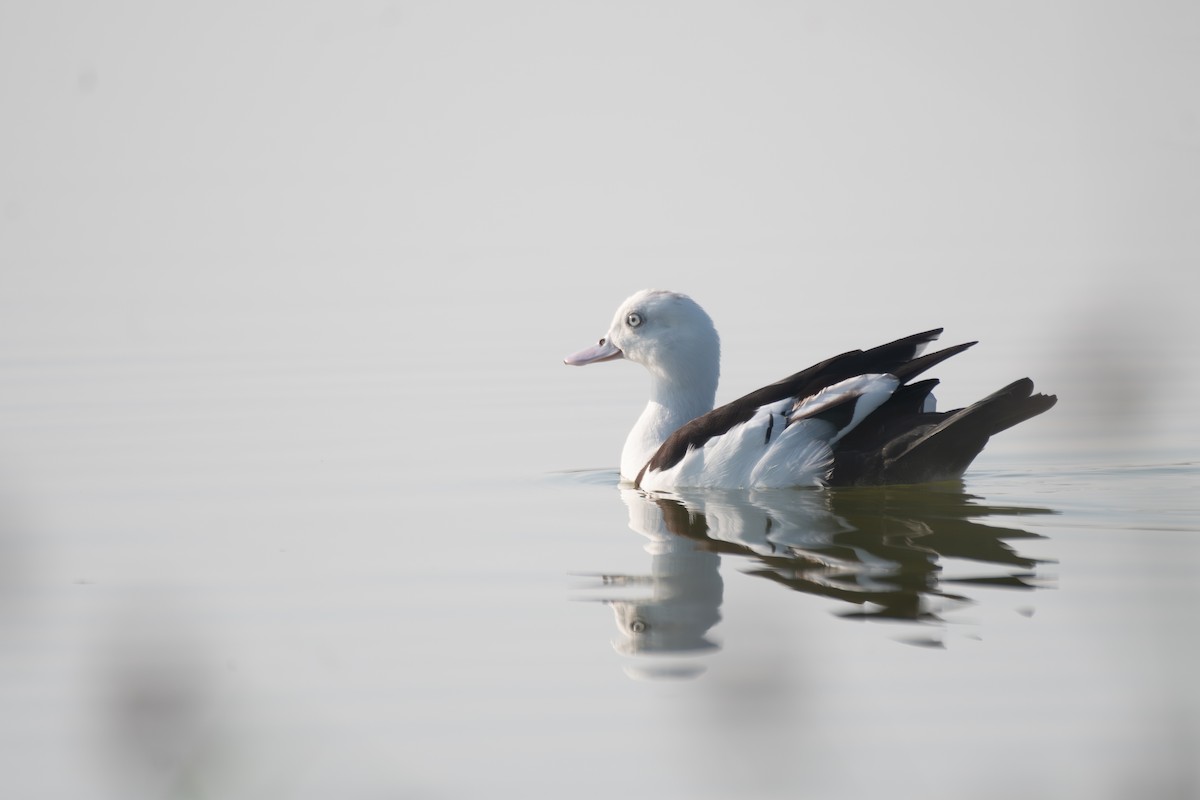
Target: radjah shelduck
858 418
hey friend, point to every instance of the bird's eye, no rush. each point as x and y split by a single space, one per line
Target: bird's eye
634 319
638 626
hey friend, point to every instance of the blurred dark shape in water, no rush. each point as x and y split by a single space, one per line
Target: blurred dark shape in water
881 550
160 709
1122 356
15 570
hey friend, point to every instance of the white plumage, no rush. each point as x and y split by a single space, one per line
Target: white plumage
851 419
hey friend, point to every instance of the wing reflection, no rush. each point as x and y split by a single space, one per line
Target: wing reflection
886 552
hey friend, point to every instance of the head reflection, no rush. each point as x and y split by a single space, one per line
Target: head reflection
670 610
883 552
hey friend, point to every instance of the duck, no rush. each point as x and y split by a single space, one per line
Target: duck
859 418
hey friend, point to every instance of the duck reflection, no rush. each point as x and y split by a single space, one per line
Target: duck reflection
883 551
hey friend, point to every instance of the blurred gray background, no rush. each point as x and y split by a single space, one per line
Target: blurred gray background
284 293
322 176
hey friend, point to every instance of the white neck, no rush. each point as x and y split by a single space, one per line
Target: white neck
674 401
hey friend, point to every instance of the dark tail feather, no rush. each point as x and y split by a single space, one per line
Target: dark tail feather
948 448
907 371
904 349
1021 405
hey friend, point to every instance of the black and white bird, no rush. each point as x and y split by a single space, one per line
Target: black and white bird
855 419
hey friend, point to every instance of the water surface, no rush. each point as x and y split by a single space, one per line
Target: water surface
238 574
297 499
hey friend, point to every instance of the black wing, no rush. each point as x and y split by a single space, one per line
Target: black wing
898 358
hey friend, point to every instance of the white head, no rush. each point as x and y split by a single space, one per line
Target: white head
666 332
675 340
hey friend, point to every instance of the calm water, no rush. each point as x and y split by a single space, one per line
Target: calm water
273 574
298 501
